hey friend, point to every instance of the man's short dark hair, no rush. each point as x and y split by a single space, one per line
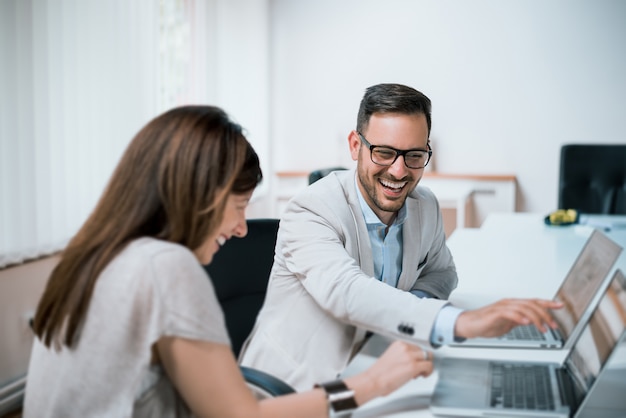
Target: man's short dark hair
392 98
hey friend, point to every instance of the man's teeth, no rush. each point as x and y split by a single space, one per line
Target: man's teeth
393 185
221 240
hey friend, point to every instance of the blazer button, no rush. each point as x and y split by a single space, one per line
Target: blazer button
406 329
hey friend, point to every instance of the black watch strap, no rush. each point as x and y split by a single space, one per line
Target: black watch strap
340 397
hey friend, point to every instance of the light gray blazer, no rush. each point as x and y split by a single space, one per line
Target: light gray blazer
322 295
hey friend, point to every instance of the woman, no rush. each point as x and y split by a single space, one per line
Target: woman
129 324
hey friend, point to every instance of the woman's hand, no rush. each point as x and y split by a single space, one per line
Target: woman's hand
400 363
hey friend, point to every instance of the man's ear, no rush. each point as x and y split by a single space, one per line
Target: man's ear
354 142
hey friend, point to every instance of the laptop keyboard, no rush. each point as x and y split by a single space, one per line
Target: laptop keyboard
520 387
524 332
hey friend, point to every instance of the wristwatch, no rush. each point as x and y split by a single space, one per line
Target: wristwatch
340 397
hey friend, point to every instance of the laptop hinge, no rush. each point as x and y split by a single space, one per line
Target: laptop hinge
558 336
570 391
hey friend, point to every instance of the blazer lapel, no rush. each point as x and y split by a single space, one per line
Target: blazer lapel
411 243
364 246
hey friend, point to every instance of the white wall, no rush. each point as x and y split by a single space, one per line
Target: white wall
241 71
510 80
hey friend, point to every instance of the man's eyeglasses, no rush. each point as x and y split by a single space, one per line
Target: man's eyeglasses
386 156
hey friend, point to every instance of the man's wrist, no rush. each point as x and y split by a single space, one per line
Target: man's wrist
443 331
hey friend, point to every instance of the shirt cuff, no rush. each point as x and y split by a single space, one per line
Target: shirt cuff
443 331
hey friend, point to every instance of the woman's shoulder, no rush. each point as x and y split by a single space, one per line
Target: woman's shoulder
171 270
151 257
151 248
151 244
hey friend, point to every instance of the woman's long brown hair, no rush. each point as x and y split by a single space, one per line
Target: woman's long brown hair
171 183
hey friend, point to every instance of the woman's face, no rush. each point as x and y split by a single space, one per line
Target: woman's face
233 224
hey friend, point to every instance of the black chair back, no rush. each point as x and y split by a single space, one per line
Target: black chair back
322 172
592 178
240 271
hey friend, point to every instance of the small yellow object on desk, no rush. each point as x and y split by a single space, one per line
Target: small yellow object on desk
562 217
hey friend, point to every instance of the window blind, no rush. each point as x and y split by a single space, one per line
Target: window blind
78 79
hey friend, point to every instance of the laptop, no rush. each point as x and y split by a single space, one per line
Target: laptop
583 284
471 387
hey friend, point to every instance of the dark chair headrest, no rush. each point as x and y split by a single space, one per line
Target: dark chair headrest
322 172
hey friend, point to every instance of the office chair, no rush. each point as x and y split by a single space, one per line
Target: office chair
239 272
322 172
592 178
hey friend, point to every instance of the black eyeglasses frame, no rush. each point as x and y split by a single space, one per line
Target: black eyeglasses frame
397 151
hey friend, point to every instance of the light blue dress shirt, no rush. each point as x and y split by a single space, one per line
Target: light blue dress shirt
387 250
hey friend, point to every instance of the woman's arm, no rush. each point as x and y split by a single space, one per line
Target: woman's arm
208 378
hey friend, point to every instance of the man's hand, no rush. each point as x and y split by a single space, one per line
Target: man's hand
500 317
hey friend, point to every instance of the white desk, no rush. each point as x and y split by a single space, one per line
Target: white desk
511 255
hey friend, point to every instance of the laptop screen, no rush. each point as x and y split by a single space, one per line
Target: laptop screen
584 279
600 335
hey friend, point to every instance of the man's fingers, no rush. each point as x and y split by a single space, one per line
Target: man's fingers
542 315
531 311
549 304
500 317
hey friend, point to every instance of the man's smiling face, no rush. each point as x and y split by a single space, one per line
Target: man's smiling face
386 188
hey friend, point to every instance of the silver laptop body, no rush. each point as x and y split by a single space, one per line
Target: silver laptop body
580 291
469 387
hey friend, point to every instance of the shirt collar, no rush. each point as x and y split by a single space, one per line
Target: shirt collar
368 213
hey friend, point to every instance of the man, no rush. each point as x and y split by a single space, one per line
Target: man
365 250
